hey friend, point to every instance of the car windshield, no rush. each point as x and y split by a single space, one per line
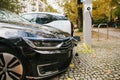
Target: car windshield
9 16
59 17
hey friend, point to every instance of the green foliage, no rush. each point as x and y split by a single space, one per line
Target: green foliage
70 9
12 5
117 11
45 1
80 29
50 9
100 19
104 11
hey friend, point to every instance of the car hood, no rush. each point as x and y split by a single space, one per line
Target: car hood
19 29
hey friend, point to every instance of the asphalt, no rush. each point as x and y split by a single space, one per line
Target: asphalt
102 63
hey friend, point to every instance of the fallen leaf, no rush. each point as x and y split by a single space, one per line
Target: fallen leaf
69 79
107 71
94 55
72 65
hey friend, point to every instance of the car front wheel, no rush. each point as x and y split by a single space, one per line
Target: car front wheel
11 67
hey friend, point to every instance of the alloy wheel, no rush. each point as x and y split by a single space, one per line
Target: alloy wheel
10 67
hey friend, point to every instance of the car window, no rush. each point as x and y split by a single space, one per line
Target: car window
30 17
43 18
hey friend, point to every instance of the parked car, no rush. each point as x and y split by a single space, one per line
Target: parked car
31 51
51 19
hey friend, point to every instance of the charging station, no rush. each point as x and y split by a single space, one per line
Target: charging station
87 21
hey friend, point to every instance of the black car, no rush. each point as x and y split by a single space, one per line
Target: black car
31 51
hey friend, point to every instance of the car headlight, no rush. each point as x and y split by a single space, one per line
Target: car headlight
43 44
30 43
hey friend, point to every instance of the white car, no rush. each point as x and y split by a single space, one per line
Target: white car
56 20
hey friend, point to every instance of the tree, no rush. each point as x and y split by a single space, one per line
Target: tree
49 8
70 9
73 10
45 1
104 10
12 5
117 11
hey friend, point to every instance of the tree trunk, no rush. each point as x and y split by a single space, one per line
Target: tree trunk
80 17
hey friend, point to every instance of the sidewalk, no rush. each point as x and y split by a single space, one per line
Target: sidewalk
102 64
111 31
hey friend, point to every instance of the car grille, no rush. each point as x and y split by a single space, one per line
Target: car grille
67 44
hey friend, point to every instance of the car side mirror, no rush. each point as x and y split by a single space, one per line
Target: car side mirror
76 38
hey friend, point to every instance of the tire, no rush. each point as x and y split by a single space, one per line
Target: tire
11 66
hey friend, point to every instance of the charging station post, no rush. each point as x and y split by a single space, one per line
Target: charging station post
87 21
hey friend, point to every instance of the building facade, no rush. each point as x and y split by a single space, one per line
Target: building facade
32 6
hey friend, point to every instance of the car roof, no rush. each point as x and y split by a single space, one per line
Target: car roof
51 13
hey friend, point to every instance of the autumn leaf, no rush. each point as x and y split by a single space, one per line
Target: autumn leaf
69 79
107 71
71 65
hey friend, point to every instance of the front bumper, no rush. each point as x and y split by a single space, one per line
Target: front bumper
48 61
46 65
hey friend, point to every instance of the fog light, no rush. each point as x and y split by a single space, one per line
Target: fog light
47 69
